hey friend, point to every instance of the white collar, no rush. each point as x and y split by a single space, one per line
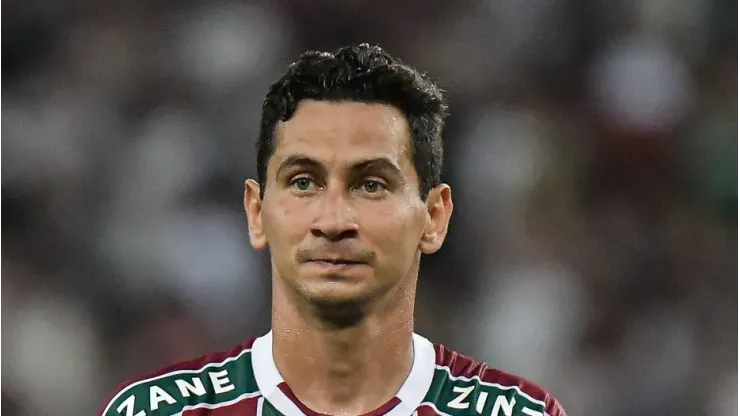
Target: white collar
411 393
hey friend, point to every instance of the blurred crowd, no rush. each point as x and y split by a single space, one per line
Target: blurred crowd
592 151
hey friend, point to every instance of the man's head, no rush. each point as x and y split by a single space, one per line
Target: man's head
349 163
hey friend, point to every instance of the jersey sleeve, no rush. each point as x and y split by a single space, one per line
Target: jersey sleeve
209 380
464 383
131 398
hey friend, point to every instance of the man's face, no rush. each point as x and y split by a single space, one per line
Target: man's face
341 212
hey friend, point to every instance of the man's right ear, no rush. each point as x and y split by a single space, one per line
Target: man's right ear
253 209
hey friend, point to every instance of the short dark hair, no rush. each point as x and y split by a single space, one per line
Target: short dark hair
360 73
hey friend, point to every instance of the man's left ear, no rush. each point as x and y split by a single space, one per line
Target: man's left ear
439 210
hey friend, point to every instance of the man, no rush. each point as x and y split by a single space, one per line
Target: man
348 198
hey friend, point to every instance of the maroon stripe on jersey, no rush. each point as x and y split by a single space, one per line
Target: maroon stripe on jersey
426 410
246 407
459 365
506 379
305 409
384 408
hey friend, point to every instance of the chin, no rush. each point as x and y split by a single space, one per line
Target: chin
338 311
334 291
339 302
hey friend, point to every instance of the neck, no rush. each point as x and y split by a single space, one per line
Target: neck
349 369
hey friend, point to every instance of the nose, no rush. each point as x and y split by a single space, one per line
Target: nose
336 218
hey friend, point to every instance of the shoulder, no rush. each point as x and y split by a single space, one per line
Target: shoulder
469 384
204 381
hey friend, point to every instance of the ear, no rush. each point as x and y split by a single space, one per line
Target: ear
253 209
439 210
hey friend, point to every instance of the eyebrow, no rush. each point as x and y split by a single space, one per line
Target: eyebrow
375 164
299 161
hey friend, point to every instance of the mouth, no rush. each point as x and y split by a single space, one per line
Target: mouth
336 265
337 262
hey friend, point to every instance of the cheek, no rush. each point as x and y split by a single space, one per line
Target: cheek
396 231
285 223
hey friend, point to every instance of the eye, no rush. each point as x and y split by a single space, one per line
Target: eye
372 186
302 183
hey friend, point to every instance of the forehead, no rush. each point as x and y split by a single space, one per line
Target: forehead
340 132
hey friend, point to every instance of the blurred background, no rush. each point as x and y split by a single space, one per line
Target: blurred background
592 150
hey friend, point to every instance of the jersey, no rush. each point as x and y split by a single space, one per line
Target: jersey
244 381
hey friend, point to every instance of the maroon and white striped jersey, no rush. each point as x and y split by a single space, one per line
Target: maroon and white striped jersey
244 381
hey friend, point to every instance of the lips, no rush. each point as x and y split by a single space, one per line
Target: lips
336 256
338 262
